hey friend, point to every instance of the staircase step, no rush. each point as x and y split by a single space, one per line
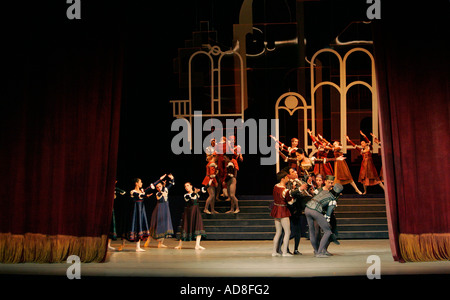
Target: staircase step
360 214
239 216
361 227
238 222
344 221
359 201
240 236
361 207
363 235
358 217
245 229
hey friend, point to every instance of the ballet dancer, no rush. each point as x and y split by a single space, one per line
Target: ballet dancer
161 222
230 181
322 165
341 171
191 221
314 213
210 180
368 175
112 230
377 140
281 214
139 230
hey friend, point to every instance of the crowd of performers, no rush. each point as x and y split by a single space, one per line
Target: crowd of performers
220 179
306 189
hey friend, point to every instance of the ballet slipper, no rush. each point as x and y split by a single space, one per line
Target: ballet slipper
207 211
199 247
236 211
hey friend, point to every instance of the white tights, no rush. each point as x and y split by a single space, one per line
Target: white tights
280 225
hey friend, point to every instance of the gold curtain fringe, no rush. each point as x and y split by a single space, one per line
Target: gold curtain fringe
41 248
425 247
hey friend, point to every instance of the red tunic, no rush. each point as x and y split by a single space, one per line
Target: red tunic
211 168
280 198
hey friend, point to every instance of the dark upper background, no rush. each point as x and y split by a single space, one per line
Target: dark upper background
150 33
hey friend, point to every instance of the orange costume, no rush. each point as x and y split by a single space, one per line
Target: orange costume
341 171
367 174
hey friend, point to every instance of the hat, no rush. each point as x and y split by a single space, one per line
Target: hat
329 177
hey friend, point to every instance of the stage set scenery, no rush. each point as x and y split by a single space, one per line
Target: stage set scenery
286 135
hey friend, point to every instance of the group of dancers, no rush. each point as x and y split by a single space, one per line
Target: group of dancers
309 187
223 164
297 157
221 177
160 226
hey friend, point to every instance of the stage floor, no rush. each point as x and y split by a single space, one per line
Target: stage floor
237 259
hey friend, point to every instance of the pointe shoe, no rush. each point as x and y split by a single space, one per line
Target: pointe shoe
162 246
111 248
140 250
207 211
199 248
177 247
229 212
276 254
236 211
215 212
286 254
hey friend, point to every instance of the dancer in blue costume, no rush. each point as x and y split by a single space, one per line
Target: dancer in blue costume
161 222
139 230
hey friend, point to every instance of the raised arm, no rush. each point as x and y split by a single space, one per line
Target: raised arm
350 141
283 147
365 137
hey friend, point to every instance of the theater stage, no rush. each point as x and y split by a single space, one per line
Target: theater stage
238 259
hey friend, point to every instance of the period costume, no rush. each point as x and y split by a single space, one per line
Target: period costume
341 171
191 220
161 222
368 173
314 213
321 166
281 197
139 230
211 170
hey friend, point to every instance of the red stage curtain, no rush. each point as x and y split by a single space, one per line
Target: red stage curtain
412 65
59 135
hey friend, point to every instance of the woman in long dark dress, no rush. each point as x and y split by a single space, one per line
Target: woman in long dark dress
161 222
191 221
139 230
